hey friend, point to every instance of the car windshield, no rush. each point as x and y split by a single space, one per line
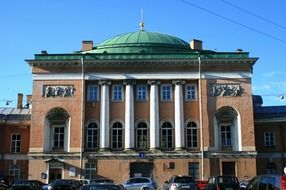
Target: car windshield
183 179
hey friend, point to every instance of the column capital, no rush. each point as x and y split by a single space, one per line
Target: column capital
129 82
178 82
104 82
154 82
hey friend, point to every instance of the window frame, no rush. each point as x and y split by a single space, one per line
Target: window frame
138 95
193 135
115 93
95 94
194 169
94 137
117 136
268 140
14 170
192 94
224 135
164 91
168 130
142 130
90 172
15 143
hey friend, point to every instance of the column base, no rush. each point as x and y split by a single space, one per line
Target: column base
179 148
104 150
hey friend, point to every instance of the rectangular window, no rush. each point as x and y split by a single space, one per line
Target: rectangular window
166 92
194 169
141 92
225 135
92 93
59 136
269 138
191 92
15 143
90 171
117 94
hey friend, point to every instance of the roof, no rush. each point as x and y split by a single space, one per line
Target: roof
15 113
270 113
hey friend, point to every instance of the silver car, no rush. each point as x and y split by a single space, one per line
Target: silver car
180 182
140 183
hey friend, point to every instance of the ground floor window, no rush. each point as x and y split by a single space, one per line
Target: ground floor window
90 171
194 169
15 172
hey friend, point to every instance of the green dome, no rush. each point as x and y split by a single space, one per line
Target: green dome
142 42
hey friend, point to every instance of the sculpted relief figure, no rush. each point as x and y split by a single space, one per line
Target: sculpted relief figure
58 91
225 90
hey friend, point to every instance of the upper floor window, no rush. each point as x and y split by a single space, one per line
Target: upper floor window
117 136
269 138
167 136
92 93
92 136
225 132
117 93
141 92
141 136
191 135
166 92
15 143
190 92
59 137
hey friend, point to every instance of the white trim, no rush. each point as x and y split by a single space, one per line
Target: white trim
145 76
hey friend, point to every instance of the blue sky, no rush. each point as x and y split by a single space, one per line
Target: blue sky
59 26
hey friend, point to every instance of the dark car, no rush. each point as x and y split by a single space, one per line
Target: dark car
5 181
25 184
181 182
267 182
140 183
101 180
243 183
102 186
63 184
223 182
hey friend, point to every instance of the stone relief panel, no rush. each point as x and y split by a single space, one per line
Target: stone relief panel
58 91
225 90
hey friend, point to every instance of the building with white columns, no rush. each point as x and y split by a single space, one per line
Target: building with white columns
142 104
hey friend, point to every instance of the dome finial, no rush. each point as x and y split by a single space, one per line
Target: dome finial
141 23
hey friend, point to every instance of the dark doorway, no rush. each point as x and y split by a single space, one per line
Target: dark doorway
144 169
228 168
55 173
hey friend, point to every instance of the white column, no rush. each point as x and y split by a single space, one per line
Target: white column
154 114
129 114
104 115
179 115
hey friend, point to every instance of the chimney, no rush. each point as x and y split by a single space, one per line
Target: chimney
87 45
196 44
20 101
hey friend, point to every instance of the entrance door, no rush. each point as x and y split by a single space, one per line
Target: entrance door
228 168
55 173
143 169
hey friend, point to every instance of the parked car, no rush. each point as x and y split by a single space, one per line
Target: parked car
140 183
223 182
267 182
102 186
101 180
181 182
63 184
201 184
84 181
5 181
25 184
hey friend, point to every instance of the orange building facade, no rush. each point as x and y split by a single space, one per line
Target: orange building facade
142 104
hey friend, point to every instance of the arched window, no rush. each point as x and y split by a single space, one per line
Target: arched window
92 136
117 136
142 136
191 135
167 136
